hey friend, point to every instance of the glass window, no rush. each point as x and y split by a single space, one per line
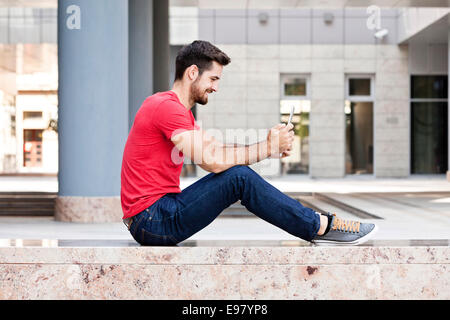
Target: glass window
429 87
295 87
32 115
359 87
13 125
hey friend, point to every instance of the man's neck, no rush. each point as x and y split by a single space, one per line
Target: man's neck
183 94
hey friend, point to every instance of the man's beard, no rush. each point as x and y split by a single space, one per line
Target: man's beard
198 95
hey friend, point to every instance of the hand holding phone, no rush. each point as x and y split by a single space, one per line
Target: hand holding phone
289 121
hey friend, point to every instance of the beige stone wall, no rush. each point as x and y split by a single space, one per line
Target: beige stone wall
276 272
392 112
249 95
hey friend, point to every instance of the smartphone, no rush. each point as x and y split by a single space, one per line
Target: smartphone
289 121
290 116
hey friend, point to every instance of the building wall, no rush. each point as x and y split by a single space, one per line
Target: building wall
249 98
7 136
28 25
27 68
48 105
301 41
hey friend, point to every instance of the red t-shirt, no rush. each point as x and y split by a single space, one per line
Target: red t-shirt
151 164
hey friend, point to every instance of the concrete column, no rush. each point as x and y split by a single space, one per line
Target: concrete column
93 108
140 54
148 51
161 45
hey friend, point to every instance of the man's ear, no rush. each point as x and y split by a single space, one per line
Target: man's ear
192 72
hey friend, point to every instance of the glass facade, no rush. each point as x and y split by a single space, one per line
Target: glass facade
429 124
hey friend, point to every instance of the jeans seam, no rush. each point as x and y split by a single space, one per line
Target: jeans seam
163 237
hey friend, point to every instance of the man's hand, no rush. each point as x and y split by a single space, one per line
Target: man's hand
280 140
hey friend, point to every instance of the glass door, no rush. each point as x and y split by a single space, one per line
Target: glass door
32 148
429 124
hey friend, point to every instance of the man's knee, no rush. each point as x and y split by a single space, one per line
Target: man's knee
239 170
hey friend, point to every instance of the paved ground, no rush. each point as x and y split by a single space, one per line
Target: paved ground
290 183
414 208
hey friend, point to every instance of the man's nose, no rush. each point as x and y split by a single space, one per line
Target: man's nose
215 87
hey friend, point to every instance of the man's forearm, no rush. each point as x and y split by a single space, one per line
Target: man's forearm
241 155
233 145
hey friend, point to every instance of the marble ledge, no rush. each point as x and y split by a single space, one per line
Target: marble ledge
267 256
80 209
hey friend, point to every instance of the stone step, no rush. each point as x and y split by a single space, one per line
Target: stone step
316 201
29 194
336 200
43 203
324 207
26 212
27 203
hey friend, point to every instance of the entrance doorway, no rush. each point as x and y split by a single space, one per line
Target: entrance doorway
359 125
32 148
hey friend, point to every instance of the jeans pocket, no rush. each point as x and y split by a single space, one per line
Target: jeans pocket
136 221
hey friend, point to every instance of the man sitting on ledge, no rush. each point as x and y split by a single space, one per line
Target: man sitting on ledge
157 212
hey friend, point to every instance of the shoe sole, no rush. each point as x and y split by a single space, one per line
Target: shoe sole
348 243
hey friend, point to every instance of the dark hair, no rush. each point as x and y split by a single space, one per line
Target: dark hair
202 54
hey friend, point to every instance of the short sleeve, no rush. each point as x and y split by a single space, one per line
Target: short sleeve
172 118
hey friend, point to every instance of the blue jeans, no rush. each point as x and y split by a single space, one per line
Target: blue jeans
177 216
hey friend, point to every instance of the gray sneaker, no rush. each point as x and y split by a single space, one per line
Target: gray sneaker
346 232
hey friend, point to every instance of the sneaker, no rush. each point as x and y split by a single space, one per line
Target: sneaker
346 232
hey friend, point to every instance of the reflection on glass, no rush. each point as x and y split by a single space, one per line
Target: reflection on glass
429 144
359 137
359 87
298 162
295 87
429 87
